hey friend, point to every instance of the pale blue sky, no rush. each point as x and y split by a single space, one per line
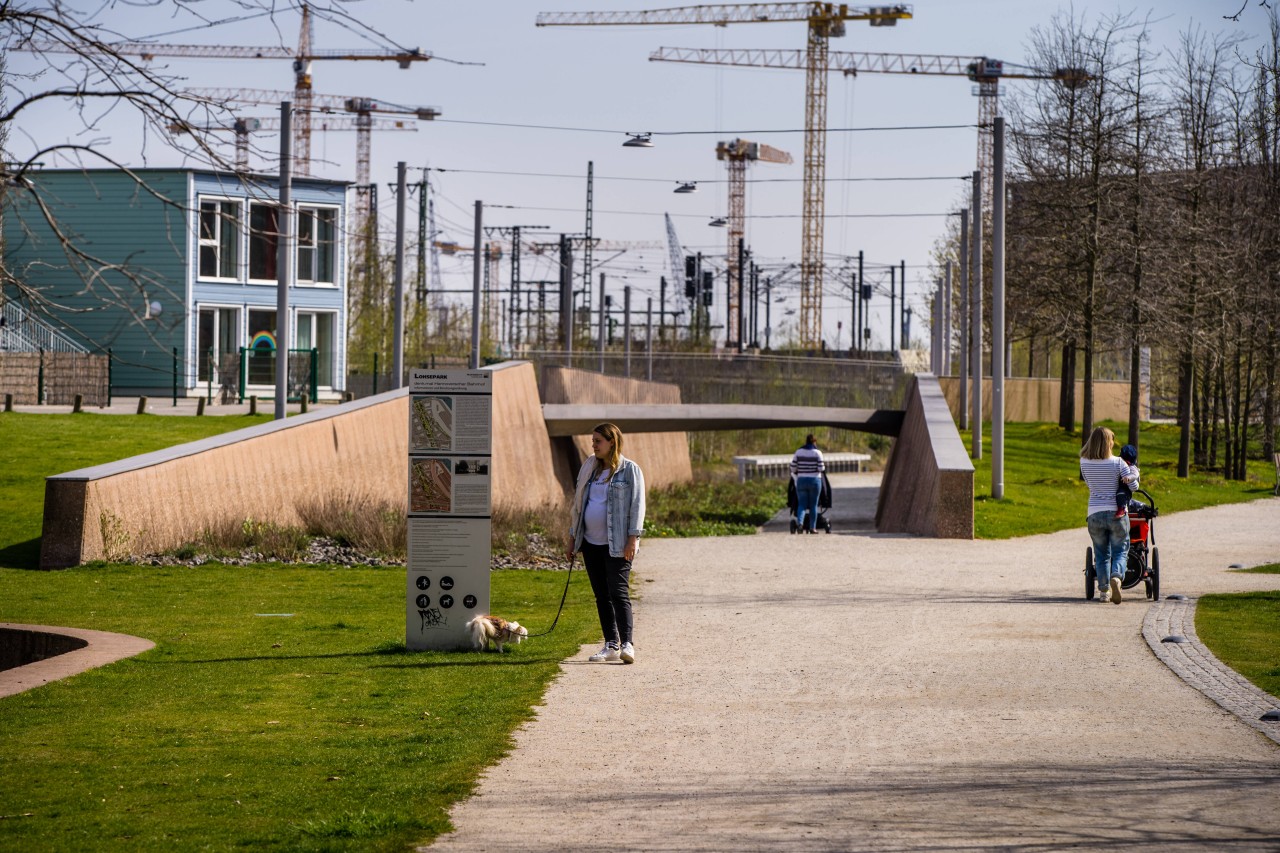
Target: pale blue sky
601 78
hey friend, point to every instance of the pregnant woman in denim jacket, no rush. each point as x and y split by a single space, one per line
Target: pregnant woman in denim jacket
606 520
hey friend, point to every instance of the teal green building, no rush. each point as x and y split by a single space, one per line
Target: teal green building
175 272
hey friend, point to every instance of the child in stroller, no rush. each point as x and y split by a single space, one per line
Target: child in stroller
1128 482
824 504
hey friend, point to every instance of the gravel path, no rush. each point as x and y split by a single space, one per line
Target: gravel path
867 692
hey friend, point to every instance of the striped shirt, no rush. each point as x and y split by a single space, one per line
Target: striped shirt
1103 478
807 462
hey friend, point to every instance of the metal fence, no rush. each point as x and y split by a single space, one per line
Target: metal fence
55 378
373 375
762 379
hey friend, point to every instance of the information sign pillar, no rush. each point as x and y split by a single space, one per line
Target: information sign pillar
450 505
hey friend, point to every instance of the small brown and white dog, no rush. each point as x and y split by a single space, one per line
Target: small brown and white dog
482 629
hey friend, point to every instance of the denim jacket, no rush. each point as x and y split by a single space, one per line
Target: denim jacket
624 504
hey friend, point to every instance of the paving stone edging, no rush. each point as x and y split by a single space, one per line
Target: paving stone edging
1196 665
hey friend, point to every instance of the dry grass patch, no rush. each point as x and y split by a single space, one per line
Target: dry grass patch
529 538
371 525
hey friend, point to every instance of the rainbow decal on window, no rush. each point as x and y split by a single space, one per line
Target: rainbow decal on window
263 340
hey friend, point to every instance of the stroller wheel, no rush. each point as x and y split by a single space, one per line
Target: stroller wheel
826 525
1155 574
794 526
1089 578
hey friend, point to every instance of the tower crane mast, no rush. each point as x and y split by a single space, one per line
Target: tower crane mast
825 20
736 154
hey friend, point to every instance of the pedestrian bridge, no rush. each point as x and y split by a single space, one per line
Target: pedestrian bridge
580 419
927 487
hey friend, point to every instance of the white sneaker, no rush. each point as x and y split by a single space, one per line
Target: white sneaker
608 652
628 653
1115 590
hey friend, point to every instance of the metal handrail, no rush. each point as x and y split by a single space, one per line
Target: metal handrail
22 332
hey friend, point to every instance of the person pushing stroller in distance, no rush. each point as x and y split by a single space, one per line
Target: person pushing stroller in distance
807 468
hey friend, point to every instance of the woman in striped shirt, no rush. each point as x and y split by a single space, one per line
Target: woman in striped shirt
1104 473
807 467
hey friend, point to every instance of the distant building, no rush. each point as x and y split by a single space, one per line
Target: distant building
185 263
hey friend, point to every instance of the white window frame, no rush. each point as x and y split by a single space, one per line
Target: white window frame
299 248
216 243
250 204
237 332
310 314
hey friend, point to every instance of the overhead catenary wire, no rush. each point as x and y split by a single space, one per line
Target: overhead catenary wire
756 131
703 215
700 180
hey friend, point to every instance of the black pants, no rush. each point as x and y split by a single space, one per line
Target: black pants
608 576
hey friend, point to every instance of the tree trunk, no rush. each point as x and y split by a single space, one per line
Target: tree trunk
1215 414
1135 378
1269 395
1067 387
1186 387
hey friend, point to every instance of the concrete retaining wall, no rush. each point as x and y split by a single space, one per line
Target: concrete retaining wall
927 487
662 456
162 500
1030 400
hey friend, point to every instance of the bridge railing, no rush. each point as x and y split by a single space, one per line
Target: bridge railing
759 379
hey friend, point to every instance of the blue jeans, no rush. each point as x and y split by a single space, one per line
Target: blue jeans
1110 545
807 490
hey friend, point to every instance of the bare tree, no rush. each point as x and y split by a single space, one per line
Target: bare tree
1198 86
94 82
1137 154
1068 147
80 65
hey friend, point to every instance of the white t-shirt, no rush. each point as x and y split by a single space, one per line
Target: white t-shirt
596 513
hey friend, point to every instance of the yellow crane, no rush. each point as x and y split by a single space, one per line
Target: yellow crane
825 20
736 154
301 58
983 70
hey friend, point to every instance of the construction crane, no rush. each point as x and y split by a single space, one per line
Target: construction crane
983 70
825 20
301 59
675 252
242 127
737 153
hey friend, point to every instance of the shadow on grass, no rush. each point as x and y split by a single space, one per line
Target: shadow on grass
21 555
496 659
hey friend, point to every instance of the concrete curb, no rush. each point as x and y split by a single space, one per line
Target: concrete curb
1197 666
104 648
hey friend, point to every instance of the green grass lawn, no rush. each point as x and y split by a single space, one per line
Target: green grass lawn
35 446
720 508
1243 631
1269 569
1043 491
319 731
311 732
